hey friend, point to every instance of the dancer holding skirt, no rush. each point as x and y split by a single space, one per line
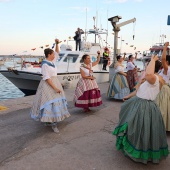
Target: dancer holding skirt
87 93
50 105
118 87
141 132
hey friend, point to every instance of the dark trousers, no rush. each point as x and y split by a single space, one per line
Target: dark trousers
78 43
105 62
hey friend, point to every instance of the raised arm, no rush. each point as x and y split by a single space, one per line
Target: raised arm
57 46
136 54
98 59
82 32
124 55
150 76
164 63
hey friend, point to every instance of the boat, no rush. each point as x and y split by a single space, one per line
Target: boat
27 78
156 49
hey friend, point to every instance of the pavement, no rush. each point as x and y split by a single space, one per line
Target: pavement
85 141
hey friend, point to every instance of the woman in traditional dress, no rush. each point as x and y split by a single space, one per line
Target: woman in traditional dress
163 98
141 132
50 105
132 75
118 87
87 93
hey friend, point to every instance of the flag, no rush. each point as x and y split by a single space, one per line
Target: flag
33 49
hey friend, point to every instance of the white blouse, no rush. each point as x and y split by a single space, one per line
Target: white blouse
49 71
148 91
119 68
87 71
130 66
166 77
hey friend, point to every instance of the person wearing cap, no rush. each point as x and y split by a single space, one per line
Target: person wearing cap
105 58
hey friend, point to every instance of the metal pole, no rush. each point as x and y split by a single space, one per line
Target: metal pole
115 44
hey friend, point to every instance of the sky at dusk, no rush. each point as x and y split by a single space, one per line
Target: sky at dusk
28 24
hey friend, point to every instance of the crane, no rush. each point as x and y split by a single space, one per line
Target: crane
116 29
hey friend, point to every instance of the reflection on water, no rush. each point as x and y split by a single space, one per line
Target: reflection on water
8 90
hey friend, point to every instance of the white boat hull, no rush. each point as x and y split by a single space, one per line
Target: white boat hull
28 82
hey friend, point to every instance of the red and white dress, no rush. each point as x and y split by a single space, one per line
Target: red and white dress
87 93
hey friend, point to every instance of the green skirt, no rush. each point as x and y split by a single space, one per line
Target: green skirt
141 132
163 101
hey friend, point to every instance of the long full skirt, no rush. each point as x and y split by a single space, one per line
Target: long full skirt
87 94
132 78
118 87
141 132
48 105
163 101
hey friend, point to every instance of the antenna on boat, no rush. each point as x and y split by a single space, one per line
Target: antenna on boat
86 24
107 29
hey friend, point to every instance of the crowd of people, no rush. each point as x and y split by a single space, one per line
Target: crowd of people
144 117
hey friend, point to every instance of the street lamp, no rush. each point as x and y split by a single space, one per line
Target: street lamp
116 29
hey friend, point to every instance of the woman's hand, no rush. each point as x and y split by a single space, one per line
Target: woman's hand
154 57
57 41
126 98
125 74
57 90
166 44
92 78
98 52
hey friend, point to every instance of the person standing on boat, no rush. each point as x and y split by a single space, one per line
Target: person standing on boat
87 92
132 74
50 105
141 132
105 58
163 98
77 38
118 87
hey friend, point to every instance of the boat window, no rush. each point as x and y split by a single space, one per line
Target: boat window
60 56
71 58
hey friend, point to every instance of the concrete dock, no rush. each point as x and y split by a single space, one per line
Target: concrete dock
85 141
